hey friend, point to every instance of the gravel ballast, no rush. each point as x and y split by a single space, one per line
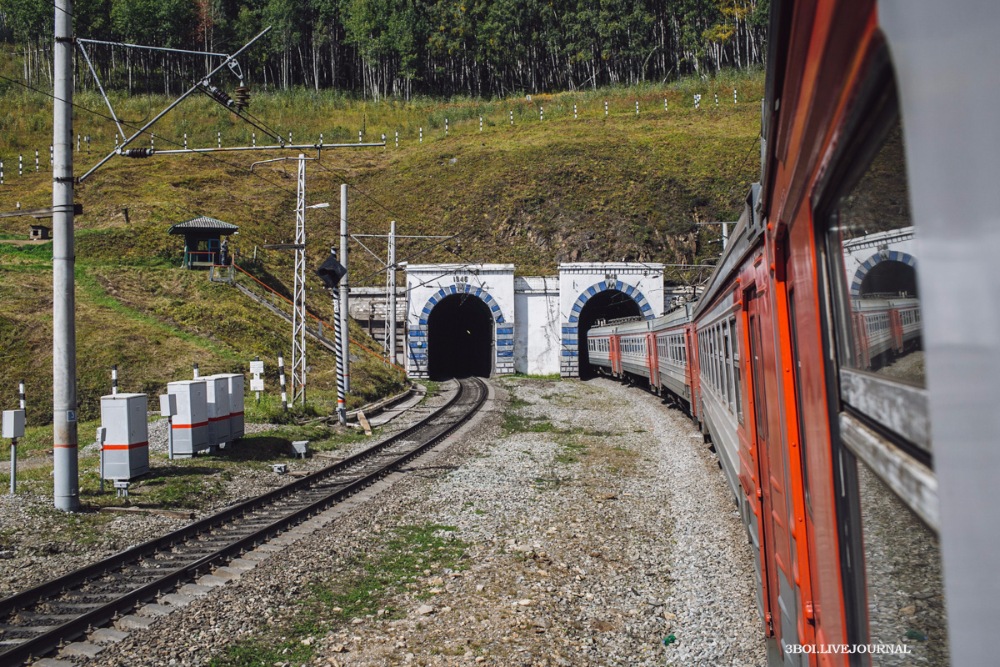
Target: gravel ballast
593 527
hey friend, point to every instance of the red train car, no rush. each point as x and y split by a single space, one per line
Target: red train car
845 356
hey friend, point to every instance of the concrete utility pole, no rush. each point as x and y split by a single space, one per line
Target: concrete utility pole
65 466
344 294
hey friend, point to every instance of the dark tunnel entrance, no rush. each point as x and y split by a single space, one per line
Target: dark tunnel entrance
890 278
607 305
459 338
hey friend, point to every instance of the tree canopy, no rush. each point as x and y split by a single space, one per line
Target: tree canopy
380 48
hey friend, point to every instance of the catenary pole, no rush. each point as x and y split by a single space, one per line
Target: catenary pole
391 284
344 291
65 466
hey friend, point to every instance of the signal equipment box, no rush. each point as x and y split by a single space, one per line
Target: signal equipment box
126 441
218 410
190 429
235 384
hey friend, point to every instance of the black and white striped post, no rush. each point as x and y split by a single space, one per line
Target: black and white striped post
574 112
605 108
421 135
218 139
1 172
185 141
637 107
480 123
253 139
397 138
446 127
36 160
541 113
152 141
114 380
512 117
339 351
281 382
20 165
20 394
194 368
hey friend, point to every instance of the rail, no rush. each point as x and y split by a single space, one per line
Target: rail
159 565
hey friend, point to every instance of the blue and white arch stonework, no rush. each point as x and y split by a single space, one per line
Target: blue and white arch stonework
864 253
581 281
428 284
535 319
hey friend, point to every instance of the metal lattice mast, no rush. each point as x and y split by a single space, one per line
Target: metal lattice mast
299 292
390 282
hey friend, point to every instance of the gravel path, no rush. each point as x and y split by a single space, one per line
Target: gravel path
595 526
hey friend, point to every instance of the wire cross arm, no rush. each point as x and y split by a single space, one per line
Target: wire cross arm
193 89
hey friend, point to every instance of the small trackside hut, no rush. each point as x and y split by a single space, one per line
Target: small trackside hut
204 241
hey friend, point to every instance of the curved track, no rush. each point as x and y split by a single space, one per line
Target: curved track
36 621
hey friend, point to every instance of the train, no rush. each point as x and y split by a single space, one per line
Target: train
843 360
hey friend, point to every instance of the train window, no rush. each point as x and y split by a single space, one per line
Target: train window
729 366
872 249
736 368
902 563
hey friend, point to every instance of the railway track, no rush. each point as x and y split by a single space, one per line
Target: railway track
36 621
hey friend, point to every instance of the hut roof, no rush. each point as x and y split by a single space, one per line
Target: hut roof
203 223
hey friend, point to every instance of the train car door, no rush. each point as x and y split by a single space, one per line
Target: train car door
692 367
653 361
778 578
615 351
762 501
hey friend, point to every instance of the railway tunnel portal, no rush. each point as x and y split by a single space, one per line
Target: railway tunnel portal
479 319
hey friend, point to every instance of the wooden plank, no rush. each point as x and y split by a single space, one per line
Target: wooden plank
364 423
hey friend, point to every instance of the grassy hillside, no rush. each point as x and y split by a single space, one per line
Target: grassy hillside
535 193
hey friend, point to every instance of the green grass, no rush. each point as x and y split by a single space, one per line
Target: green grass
534 194
375 577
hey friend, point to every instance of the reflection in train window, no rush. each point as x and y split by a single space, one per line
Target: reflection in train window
903 577
874 261
876 240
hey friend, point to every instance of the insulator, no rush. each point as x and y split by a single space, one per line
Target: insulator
219 95
138 152
242 97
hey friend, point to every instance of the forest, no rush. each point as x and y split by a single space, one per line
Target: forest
396 48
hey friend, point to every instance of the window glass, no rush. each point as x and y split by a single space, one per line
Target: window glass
875 242
736 368
902 576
